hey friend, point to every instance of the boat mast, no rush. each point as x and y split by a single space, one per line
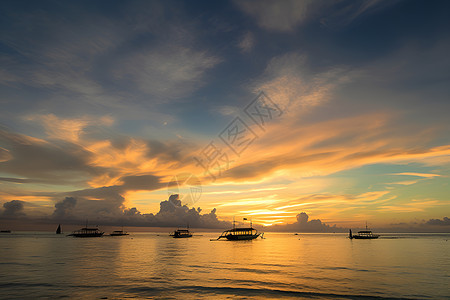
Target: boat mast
234 226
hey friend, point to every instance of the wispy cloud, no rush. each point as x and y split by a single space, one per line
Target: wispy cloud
288 15
424 175
247 42
167 72
276 15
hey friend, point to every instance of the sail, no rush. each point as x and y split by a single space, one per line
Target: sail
58 230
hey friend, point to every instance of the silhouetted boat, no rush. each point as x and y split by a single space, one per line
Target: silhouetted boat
58 230
87 232
181 233
118 233
240 233
5 231
363 235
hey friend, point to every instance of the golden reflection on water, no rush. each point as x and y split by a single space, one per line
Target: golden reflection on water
152 265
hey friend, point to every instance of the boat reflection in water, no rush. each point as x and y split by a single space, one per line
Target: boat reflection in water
240 233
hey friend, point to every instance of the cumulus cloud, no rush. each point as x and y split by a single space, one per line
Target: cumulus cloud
171 213
303 224
63 208
13 209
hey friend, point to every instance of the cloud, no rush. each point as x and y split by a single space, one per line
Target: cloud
110 212
288 15
303 224
152 57
444 222
282 15
172 213
168 72
338 14
425 175
63 209
4 155
247 42
69 129
41 160
13 209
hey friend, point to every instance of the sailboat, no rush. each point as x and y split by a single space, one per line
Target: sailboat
58 230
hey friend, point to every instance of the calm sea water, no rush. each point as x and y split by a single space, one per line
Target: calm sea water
148 265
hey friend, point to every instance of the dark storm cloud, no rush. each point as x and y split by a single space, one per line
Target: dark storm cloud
304 225
13 209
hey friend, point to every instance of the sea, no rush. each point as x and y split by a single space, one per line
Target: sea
281 266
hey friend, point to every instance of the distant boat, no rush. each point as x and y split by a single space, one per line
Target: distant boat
5 231
58 230
87 232
181 233
363 235
118 233
240 233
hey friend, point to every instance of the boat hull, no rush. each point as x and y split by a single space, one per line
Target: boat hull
182 236
365 237
232 237
81 235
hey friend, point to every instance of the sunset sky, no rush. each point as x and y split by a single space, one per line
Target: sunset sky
257 109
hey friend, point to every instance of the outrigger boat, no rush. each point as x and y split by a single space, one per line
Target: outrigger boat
363 235
118 233
87 232
240 233
181 233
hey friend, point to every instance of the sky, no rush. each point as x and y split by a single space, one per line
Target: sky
298 115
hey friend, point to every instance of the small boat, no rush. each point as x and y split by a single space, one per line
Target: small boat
363 235
59 230
118 233
240 233
5 231
181 233
87 232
